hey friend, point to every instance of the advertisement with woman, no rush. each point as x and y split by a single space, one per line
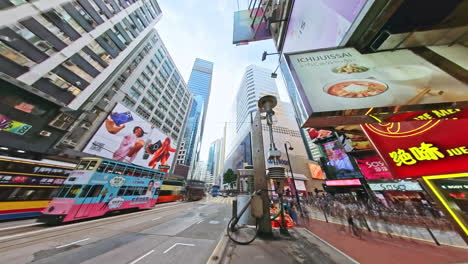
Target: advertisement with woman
126 137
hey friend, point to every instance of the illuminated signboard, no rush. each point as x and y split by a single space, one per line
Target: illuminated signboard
316 171
452 192
126 137
334 82
6 124
347 182
420 148
373 167
395 186
244 31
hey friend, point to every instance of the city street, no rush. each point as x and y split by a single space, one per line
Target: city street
170 233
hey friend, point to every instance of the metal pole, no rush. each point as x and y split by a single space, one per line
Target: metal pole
293 180
261 181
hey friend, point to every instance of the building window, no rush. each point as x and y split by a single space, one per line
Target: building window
147 104
39 43
128 102
90 60
77 70
159 114
15 56
169 123
72 22
134 93
62 83
142 112
94 46
166 130
139 85
162 107
165 100
53 29
156 122
155 89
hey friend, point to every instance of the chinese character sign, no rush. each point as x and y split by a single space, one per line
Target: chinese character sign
420 148
373 168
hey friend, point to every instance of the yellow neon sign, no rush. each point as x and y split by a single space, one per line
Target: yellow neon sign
442 199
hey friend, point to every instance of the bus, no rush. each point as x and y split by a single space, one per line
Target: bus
27 186
195 190
171 190
214 190
99 186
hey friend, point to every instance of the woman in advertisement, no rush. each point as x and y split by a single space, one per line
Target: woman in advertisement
161 155
149 190
130 145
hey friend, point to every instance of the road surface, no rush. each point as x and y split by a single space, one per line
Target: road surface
170 233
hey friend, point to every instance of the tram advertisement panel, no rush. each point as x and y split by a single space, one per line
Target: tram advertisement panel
420 148
126 137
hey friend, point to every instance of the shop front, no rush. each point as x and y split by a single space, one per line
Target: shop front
396 193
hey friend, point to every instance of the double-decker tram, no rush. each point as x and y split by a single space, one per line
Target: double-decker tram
27 186
99 186
171 191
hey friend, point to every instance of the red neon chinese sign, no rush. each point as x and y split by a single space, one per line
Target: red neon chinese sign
420 148
343 182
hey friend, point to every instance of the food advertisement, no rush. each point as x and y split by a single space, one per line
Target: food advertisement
339 164
373 168
320 24
413 149
6 124
345 80
126 137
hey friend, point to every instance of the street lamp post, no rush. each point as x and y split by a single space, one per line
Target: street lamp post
292 176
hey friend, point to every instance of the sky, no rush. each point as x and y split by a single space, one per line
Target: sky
203 29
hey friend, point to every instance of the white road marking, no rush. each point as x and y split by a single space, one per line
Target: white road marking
142 257
214 222
84 223
154 219
20 226
199 222
173 246
69 244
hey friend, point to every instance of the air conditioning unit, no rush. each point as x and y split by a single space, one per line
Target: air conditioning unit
85 126
69 142
45 133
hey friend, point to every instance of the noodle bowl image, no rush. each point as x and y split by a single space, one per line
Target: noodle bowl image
356 88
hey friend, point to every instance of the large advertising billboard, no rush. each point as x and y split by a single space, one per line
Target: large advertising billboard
345 82
413 149
320 24
126 137
338 163
249 26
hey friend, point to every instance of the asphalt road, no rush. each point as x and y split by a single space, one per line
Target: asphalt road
169 233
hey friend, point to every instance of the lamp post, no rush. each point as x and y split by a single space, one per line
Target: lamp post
292 175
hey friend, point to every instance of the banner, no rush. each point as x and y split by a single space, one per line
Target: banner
126 137
338 164
320 24
373 168
413 149
345 82
6 124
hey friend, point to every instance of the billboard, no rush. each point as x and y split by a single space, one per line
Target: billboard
320 24
373 167
413 149
126 137
244 32
338 163
345 82
316 171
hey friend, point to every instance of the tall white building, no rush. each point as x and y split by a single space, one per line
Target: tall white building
256 83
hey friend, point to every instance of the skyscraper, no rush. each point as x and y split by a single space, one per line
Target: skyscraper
200 85
256 83
61 56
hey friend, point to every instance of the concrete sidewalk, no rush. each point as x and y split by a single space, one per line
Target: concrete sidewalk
301 247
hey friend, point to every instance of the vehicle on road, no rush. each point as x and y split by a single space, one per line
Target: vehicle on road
98 186
27 186
195 190
171 191
215 190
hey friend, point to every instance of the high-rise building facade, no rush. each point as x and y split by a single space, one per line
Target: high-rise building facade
256 83
215 159
70 62
150 85
200 85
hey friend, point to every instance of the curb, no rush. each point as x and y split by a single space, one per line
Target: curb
218 253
